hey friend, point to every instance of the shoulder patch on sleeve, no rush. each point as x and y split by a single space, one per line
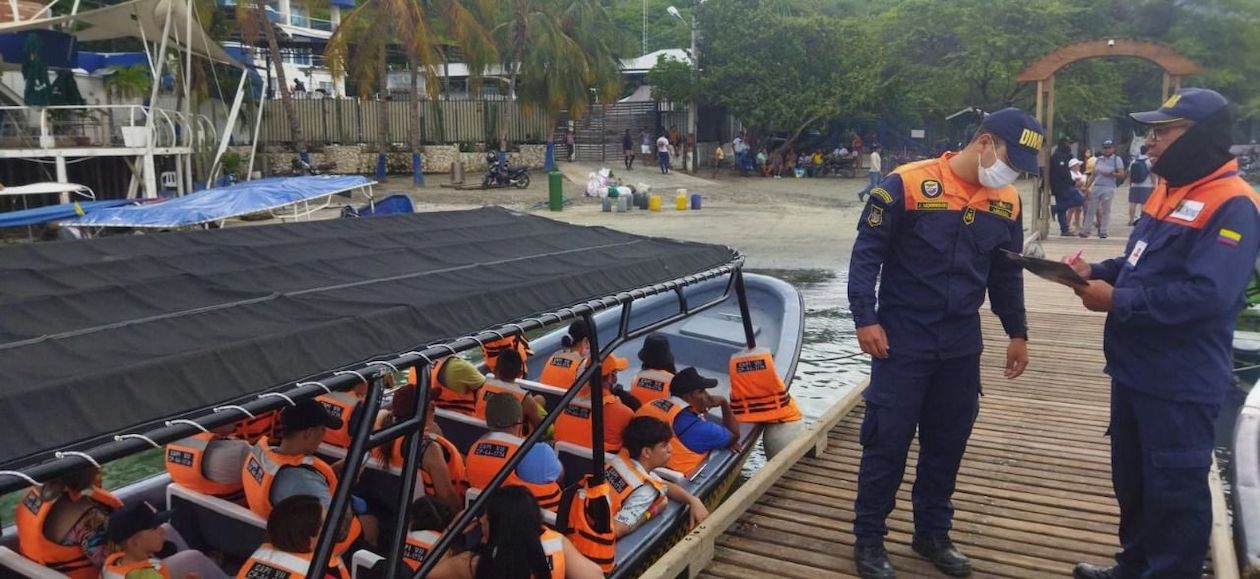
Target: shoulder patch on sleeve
882 194
876 217
1229 237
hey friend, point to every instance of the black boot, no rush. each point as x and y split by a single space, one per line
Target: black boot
941 552
1087 571
872 562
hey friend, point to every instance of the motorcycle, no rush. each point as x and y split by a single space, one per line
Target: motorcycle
1249 166
501 174
300 168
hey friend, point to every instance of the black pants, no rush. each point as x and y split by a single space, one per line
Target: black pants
1161 452
939 399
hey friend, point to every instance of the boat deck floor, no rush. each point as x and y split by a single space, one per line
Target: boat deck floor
1034 492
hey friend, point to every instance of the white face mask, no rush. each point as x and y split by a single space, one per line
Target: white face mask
999 174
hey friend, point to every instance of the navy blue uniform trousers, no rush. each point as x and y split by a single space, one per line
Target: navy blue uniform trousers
1161 451
939 398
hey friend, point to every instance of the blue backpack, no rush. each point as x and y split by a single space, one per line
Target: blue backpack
1139 171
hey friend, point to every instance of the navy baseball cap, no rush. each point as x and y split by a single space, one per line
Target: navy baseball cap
1109 143
1191 104
1024 136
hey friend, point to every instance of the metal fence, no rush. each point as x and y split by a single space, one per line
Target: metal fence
345 121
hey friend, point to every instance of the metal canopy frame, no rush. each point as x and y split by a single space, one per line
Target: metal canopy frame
374 372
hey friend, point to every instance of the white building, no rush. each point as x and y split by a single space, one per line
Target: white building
303 63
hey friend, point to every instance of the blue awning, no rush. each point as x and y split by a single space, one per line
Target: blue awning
96 61
222 203
50 213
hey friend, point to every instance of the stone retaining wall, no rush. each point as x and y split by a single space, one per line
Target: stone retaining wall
357 159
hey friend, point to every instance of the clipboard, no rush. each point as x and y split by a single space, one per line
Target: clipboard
1055 271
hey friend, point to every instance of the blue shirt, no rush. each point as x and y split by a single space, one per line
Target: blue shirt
1179 288
698 434
540 465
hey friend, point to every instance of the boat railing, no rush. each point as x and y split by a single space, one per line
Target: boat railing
374 373
59 126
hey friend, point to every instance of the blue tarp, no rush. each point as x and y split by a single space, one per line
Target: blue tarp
222 203
60 49
49 213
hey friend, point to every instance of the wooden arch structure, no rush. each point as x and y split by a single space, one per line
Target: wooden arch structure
1042 71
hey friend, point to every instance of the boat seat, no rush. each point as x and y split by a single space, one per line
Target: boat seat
367 565
14 564
576 460
212 524
470 495
461 429
551 394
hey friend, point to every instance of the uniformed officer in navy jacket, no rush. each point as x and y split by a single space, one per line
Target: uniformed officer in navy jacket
932 234
1171 303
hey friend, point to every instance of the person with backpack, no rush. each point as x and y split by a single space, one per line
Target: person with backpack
1108 173
1141 183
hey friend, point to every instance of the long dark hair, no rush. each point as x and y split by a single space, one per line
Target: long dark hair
513 550
509 366
578 331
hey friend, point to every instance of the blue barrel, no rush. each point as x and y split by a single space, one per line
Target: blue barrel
695 201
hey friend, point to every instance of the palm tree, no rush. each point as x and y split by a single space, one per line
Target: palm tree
424 30
254 23
556 51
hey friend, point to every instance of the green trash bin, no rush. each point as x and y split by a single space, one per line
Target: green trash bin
555 191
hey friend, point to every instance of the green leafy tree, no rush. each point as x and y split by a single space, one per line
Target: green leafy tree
784 72
256 27
671 80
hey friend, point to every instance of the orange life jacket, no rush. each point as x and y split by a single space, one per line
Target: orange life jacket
454 462
259 473
575 427
588 523
116 569
757 392
651 385
271 563
418 545
683 459
493 386
491 350
624 475
32 514
563 368
444 397
184 460
340 405
553 547
487 457
255 428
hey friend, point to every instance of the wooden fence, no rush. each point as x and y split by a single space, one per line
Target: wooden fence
346 121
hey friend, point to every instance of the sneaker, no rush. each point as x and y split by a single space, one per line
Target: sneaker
1102 236
1082 235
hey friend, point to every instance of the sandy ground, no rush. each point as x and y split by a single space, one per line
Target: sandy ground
777 223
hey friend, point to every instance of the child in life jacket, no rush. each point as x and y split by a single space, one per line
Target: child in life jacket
135 530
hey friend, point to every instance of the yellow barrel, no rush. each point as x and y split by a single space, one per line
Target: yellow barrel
682 202
655 202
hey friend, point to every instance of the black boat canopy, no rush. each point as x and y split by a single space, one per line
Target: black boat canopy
117 334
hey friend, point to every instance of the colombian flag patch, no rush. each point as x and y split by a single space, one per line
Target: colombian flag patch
1229 237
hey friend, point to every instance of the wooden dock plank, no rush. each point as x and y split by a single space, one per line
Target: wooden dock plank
1034 491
